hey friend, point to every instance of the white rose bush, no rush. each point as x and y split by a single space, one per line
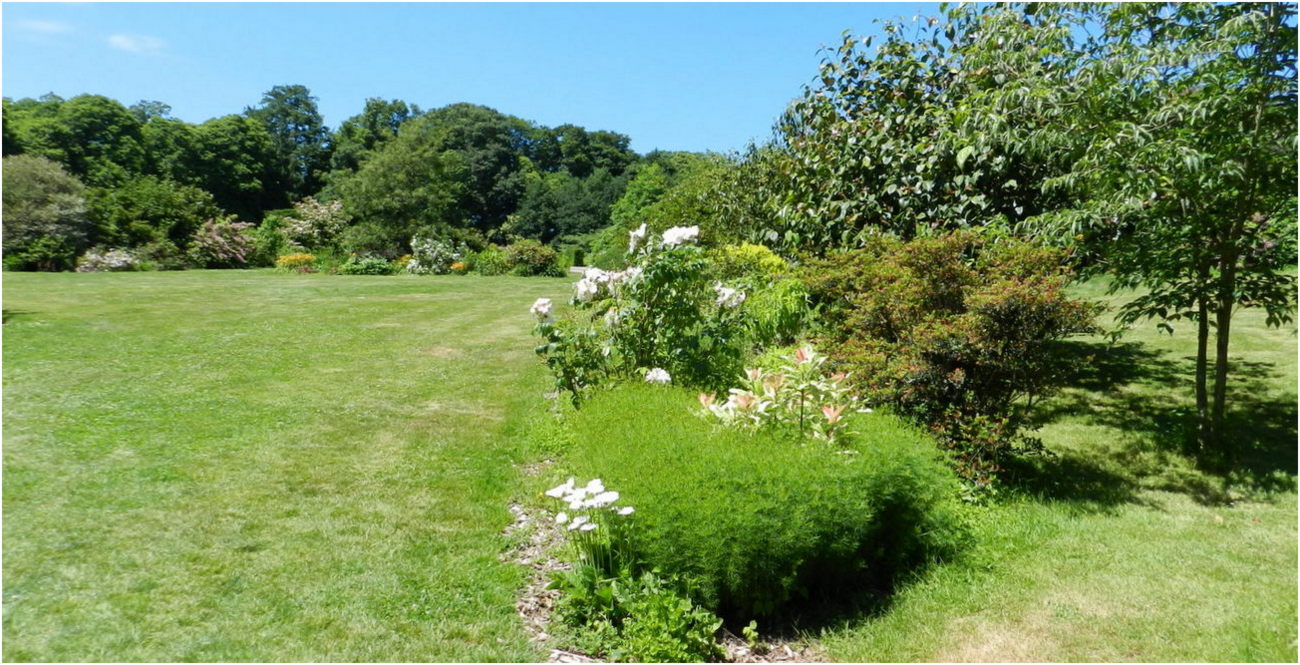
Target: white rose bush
663 318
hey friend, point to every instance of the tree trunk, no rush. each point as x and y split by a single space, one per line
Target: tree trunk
1203 434
1223 326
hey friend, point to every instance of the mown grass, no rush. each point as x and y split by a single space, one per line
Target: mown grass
227 466
1118 547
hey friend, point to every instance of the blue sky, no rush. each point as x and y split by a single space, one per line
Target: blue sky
671 76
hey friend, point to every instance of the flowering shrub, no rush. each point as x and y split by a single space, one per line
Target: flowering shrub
459 267
400 263
747 260
222 243
954 331
431 256
113 260
365 265
300 262
664 312
314 224
798 394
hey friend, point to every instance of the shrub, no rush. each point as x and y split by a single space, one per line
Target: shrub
112 260
490 261
222 243
315 224
296 262
162 255
756 523
45 220
746 260
527 258
430 255
365 265
779 311
956 332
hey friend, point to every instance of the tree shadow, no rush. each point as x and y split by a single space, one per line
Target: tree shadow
1147 395
14 314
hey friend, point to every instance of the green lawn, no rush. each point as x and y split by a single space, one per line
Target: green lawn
242 465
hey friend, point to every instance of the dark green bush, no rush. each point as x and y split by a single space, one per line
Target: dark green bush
758 522
366 265
527 258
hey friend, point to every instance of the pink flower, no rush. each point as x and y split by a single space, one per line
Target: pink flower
801 356
832 413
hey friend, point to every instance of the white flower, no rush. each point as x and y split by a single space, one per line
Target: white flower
596 275
728 297
680 234
576 504
578 522
560 490
603 499
590 526
561 518
595 486
635 238
632 273
542 309
585 289
626 510
611 318
658 375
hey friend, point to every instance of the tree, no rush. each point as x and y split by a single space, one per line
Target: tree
555 205
235 160
45 223
94 137
361 135
299 135
145 110
1184 120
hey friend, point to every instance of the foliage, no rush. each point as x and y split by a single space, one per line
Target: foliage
222 243
778 311
300 138
556 205
112 260
361 135
366 265
804 527
235 160
295 262
529 257
45 221
148 209
629 618
489 261
953 330
746 260
593 523
95 138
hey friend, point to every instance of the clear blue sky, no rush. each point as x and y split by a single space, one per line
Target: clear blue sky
670 76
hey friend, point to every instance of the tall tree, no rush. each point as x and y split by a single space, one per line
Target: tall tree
299 135
361 135
235 160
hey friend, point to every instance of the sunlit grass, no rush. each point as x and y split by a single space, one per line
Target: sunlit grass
242 465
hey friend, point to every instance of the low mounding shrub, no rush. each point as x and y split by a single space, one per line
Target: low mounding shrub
954 331
527 258
296 262
433 256
222 243
757 522
746 260
365 265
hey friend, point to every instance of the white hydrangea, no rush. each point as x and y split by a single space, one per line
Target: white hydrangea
659 376
680 234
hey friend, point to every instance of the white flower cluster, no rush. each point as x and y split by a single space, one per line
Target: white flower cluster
114 260
429 255
542 310
585 499
659 376
729 297
635 239
595 280
678 235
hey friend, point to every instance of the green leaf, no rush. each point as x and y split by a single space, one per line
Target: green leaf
963 155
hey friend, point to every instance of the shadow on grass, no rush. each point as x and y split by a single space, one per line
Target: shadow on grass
14 314
1147 396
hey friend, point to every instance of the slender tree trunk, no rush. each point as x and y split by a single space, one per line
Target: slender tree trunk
1223 327
1203 434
